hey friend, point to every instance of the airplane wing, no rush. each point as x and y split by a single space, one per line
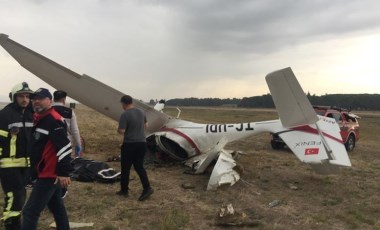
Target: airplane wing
82 88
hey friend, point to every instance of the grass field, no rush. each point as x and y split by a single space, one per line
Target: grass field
348 200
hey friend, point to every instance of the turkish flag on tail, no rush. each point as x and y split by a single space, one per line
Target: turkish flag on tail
311 151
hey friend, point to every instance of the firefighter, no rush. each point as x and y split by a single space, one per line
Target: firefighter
16 122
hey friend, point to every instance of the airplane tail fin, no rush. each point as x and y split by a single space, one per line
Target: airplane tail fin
314 140
292 105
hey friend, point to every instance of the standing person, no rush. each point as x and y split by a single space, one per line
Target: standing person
132 125
70 119
16 122
50 163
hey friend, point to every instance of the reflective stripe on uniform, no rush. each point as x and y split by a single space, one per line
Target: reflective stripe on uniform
12 147
7 215
7 210
3 133
14 162
16 124
43 131
64 151
28 124
20 125
9 197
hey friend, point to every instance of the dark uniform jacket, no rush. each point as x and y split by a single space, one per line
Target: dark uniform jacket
64 111
15 134
51 149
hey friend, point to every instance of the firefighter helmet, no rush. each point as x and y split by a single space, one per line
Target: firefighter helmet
19 88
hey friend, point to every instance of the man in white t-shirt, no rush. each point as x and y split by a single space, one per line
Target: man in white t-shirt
70 119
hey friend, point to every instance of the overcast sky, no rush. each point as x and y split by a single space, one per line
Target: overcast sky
199 48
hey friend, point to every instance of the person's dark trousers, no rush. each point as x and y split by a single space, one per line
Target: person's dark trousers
45 193
133 154
13 181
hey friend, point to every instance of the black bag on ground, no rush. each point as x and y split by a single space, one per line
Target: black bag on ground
90 171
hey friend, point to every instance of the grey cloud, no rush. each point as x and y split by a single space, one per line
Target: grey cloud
265 26
168 46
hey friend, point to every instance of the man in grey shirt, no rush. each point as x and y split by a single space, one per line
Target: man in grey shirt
132 124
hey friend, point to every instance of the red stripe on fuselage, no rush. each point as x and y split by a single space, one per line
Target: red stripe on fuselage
187 138
309 129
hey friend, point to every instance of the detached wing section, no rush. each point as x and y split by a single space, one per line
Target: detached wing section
82 88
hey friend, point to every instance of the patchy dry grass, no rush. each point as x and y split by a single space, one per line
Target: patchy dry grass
348 200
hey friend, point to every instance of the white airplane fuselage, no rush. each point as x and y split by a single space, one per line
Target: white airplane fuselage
197 138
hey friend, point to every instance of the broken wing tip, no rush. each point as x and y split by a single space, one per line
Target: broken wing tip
3 37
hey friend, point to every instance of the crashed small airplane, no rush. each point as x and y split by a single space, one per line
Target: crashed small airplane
313 139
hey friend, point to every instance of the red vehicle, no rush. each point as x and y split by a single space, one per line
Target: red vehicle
348 123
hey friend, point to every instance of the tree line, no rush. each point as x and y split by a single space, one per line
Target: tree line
348 101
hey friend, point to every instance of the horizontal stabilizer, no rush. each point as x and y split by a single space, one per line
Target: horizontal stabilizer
291 103
314 147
